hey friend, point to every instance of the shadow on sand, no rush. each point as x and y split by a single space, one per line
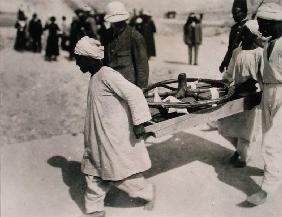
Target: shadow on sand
176 62
181 149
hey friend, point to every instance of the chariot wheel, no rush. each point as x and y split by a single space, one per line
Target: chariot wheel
190 93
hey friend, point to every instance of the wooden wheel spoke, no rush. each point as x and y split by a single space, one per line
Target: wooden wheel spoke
167 87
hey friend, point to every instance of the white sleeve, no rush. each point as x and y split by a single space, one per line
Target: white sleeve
132 94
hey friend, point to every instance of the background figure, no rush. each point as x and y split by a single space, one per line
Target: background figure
91 25
65 34
193 37
73 36
125 48
102 31
239 12
21 25
52 48
148 29
35 31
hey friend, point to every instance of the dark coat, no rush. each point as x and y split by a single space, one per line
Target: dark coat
35 28
20 43
193 35
235 39
52 47
126 53
148 30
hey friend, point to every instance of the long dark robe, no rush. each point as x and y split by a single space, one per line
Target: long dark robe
20 43
148 31
52 48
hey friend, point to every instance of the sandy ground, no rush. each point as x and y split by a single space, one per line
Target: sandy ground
42 108
190 170
40 99
41 177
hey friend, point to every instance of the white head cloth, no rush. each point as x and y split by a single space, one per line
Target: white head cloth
270 11
89 47
253 26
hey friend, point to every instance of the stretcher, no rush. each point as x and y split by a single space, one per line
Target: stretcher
203 110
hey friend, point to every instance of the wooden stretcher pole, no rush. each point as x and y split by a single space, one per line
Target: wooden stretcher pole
179 123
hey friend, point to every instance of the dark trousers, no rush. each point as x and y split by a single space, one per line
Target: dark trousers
36 44
193 49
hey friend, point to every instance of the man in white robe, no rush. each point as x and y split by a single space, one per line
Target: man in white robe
246 66
270 25
115 153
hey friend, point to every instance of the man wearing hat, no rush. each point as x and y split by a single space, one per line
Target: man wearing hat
269 17
115 153
125 48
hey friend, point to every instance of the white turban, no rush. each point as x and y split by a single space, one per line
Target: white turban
89 47
253 26
270 11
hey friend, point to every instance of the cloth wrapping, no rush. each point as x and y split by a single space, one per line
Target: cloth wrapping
270 11
253 26
89 47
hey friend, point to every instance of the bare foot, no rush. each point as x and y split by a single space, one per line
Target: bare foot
258 198
149 206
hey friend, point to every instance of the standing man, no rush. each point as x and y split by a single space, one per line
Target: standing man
270 25
193 36
115 153
52 47
35 31
239 12
20 42
125 48
148 30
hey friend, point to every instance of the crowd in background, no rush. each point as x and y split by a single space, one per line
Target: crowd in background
64 35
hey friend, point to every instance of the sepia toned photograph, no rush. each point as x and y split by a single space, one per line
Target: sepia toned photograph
141 108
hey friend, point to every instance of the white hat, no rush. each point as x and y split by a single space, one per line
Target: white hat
116 12
253 26
89 47
270 11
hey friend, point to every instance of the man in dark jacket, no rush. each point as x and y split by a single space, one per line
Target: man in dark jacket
239 12
125 48
35 31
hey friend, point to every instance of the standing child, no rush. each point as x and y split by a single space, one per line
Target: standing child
115 153
243 72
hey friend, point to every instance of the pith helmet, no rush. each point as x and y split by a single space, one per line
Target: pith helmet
116 12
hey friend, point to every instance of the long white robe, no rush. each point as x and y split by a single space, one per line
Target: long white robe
114 105
245 64
272 118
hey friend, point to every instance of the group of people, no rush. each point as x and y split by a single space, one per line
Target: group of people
86 22
115 152
28 34
253 63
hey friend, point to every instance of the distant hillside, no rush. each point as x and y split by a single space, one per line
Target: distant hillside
159 7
